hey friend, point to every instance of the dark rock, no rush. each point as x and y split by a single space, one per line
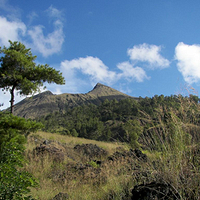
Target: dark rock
131 154
140 155
98 162
91 150
154 191
53 151
46 142
61 196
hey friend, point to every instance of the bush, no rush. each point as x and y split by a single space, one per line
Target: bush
14 183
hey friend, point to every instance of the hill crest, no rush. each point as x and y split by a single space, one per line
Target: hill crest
46 102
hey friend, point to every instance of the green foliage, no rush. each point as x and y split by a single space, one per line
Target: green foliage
18 71
14 183
74 133
133 130
130 120
93 164
12 126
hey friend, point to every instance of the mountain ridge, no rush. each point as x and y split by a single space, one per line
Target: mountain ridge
47 102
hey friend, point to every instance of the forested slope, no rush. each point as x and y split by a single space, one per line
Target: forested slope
127 120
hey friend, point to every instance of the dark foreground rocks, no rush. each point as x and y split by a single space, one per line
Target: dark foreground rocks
154 191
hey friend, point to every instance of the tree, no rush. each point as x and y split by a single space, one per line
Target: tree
18 71
16 127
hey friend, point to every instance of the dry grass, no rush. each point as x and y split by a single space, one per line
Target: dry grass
174 158
91 182
72 141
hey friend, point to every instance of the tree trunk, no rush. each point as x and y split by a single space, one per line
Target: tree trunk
12 100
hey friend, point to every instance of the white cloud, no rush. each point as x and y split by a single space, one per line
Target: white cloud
54 13
15 30
97 71
5 99
91 66
32 16
150 54
188 57
11 30
12 12
52 42
132 73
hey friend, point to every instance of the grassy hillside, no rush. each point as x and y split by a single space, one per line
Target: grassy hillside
77 174
152 151
166 165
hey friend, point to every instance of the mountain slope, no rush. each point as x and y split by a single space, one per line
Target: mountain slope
47 102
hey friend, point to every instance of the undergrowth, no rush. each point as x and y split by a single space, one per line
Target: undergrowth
170 140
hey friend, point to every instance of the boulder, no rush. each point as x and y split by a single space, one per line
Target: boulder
131 154
154 191
56 153
91 150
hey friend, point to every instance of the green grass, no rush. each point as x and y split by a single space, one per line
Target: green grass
173 158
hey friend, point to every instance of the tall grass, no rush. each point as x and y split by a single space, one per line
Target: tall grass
170 139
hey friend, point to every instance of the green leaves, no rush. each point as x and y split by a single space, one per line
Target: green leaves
12 126
19 71
14 182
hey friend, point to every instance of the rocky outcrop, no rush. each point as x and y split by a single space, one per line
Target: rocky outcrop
155 191
131 154
44 149
91 150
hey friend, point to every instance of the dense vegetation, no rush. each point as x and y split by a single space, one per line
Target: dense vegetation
18 71
166 129
14 182
126 120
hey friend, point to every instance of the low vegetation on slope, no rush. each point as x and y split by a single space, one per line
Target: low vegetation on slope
163 162
152 151
126 120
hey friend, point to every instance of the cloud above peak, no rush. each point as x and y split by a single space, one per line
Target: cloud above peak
150 54
188 61
93 67
97 71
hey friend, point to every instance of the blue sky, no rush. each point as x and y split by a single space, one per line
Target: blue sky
140 47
